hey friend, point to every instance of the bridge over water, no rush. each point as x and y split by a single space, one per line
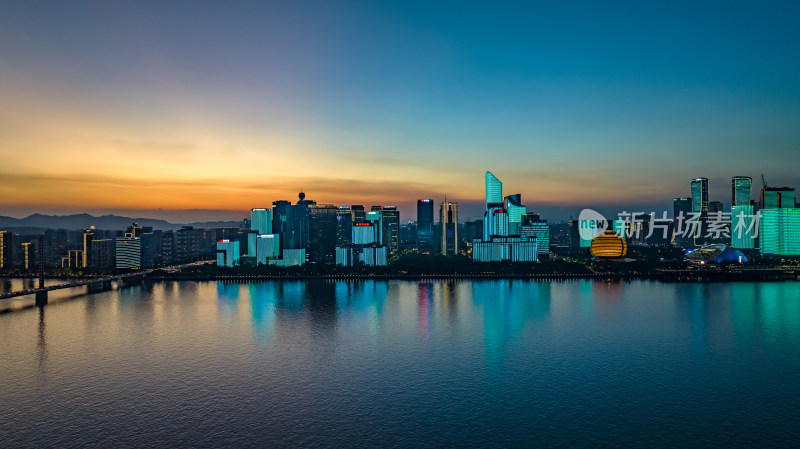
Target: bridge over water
94 284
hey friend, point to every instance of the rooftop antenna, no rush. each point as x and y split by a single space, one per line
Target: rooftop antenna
763 181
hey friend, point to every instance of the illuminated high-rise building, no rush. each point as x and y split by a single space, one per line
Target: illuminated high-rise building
495 222
496 244
535 229
448 221
494 189
741 190
700 196
261 220
515 210
27 255
364 234
742 227
425 237
495 218
6 259
777 197
128 252
227 253
375 218
344 225
391 227
267 248
779 231
88 236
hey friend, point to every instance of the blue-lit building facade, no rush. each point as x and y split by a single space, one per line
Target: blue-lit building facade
779 231
227 253
699 188
498 244
743 228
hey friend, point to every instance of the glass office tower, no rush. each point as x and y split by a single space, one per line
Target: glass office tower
425 237
494 189
777 197
448 220
700 196
261 220
515 212
740 190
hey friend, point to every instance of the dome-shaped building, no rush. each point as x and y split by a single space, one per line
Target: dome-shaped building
608 245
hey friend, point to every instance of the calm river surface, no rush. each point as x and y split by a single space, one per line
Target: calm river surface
405 364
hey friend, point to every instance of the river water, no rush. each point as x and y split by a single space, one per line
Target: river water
493 363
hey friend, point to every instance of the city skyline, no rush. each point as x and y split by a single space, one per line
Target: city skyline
408 208
215 109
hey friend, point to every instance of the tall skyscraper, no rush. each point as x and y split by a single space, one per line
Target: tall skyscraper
448 220
496 244
267 248
700 196
88 236
359 215
168 248
494 189
534 228
103 253
27 255
777 197
375 218
322 233
280 213
261 220
495 217
425 238
344 225
740 190
186 245
297 225
129 252
515 212
391 227
6 261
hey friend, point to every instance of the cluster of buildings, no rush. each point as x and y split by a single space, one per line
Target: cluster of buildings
509 231
770 224
136 247
291 234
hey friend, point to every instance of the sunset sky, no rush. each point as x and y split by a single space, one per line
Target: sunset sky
158 107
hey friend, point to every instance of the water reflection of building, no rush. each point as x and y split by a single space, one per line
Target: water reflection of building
424 306
508 307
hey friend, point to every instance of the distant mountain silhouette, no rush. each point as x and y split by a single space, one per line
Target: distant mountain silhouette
106 222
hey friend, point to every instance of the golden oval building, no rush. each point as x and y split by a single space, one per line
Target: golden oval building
608 245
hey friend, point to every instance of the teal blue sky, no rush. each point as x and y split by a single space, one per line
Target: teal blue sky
230 105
